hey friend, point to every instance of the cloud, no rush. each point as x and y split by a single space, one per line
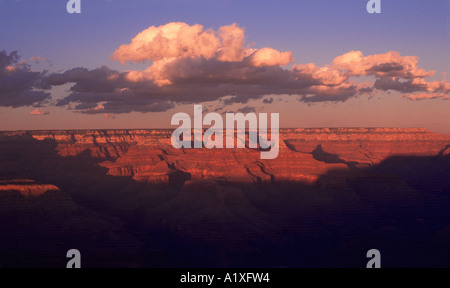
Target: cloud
268 100
326 75
19 86
246 109
102 79
270 57
413 85
423 96
39 111
38 59
323 93
390 64
191 64
180 40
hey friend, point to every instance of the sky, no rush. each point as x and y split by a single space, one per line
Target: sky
134 64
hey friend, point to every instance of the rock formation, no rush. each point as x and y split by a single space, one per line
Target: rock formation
128 198
305 154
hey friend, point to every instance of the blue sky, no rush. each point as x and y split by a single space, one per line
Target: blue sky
308 28
314 31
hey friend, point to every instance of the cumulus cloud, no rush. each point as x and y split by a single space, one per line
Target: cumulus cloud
188 64
390 64
19 85
191 64
175 40
326 75
39 111
270 57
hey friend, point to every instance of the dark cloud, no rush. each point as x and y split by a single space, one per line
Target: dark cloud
19 86
385 68
415 85
335 94
406 86
246 109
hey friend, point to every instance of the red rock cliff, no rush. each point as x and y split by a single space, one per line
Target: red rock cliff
305 154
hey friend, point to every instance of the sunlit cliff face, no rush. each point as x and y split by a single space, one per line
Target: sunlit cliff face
304 154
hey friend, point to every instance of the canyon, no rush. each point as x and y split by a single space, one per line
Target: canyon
128 198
